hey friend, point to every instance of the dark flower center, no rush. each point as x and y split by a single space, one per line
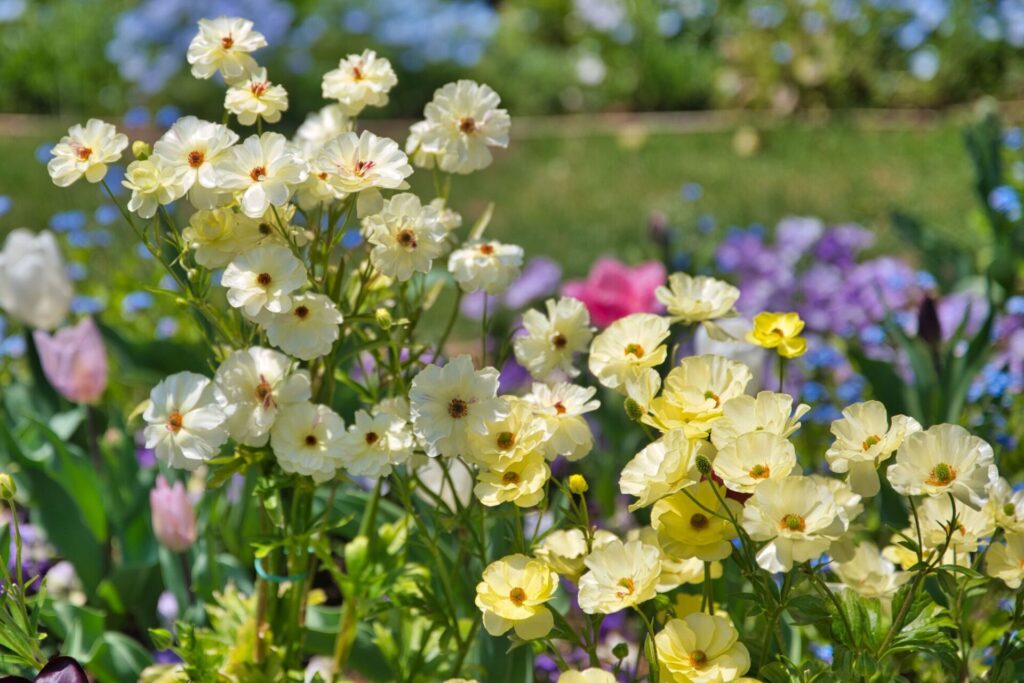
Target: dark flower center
458 408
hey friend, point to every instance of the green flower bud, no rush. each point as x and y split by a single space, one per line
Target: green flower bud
141 150
7 487
634 410
384 319
703 465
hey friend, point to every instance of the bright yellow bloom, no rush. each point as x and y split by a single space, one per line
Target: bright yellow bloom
578 484
512 594
701 648
780 331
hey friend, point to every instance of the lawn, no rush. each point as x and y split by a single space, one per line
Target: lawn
576 196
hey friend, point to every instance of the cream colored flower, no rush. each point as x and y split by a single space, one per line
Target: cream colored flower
406 237
512 594
464 121
943 459
562 407
1007 506
153 184
321 127
869 574
515 434
754 458
255 98
185 420
675 571
224 44
519 481
263 170
34 284
769 412
1005 561
663 467
257 383
262 279
797 516
864 440
360 81
629 344
451 402
193 147
690 299
591 675
306 439
972 526
565 549
619 575
701 648
694 394
365 164
488 265
375 443
687 528
85 150
414 146
220 235
308 330
552 340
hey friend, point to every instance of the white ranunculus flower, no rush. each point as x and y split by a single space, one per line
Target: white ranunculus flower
449 403
488 265
519 481
85 150
308 330
702 648
406 237
364 164
797 516
769 411
663 467
564 550
864 440
690 299
256 97
551 341
257 383
360 81
306 439
516 434
186 422
943 459
34 285
414 146
562 407
194 146
1005 561
751 459
262 279
320 127
736 348
632 343
224 44
263 170
220 235
620 575
375 443
1007 505
694 393
869 574
464 122
972 526
153 183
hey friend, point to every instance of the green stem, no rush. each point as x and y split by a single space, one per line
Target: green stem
439 347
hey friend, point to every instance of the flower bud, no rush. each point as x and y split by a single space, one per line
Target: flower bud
356 552
929 329
578 484
174 520
620 651
634 410
703 465
7 487
141 150
74 361
383 318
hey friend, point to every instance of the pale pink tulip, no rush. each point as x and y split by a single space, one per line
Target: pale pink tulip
174 520
614 290
74 360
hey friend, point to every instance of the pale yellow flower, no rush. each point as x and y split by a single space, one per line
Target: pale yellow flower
944 459
619 575
627 345
591 675
690 299
769 411
551 341
694 393
512 594
663 467
701 648
1005 561
519 481
870 574
864 440
696 527
754 458
516 433
1007 506
565 549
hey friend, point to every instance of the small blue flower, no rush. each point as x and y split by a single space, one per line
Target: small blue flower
13 347
705 223
5 204
68 221
136 117
1005 200
86 305
167 115
106 214
691 192
814 392
76 271
134 302
1013 138
352 238
43 153
166 327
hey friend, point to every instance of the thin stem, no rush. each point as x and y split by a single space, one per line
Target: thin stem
439 347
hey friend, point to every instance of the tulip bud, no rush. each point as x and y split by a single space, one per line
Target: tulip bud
141 150
578 484
7 487
174 520
634 410
383 318
34 283
74 361
929 329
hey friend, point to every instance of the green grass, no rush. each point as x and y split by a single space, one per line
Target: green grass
576 197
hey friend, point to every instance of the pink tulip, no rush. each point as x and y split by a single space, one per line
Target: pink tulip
174 520
74 360
614 290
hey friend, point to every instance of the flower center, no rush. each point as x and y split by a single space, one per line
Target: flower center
759 472
357 73
83 152
628 584
634 350
265 228
560 408
698 520
486 249
301 312
712 396
362 167
506 440
793 523
559 341
517 595
407 238
311 440
698 658
259 88
467 125
264 279
510 478
258 173
196 158
1009 510
458 408
264 392
371 438
174 422
941 475
872 440
322 175
227 42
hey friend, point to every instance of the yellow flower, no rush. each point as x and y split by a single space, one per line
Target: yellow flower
686 529
591 675
694 393
520 482
702 648
512 593
578 484
780 331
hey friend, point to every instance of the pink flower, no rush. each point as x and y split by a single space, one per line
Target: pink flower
74 360
174 521
613 290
